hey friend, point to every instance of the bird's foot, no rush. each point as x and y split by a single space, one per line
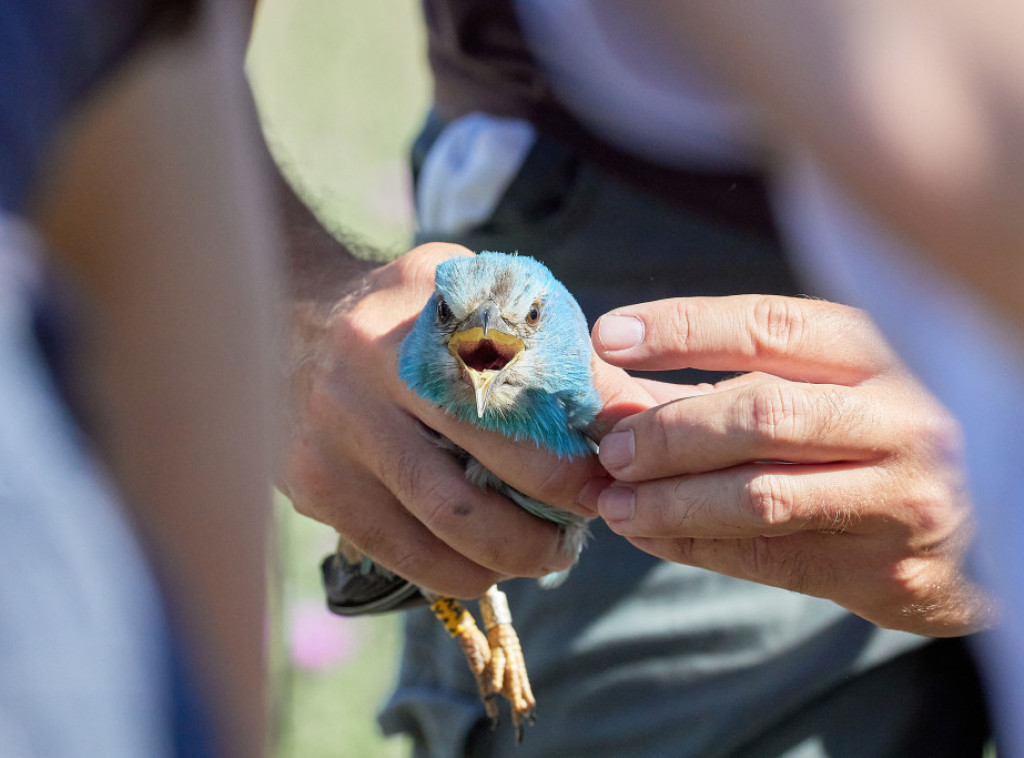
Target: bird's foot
507 669
496 659
461 625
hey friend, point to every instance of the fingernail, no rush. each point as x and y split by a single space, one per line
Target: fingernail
587 499
617 450
617 503
620 332
559 563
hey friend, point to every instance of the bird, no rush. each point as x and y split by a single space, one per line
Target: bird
502 345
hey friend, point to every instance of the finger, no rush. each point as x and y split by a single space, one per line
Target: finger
533 471
769 419
416 268
384 441
622 395
389 535
664 392
333 491
750 501
811 564
480 524
798 339
923 594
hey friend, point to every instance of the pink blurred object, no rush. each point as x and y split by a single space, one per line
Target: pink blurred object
318 639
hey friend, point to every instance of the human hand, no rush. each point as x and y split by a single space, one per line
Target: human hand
829 470
358 461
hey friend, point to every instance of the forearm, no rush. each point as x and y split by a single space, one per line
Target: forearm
151 206
321 266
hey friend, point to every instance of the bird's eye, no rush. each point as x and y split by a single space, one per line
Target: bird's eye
534 315
444 313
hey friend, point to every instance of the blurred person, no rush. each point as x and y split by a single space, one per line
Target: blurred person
903 188
135 376
636 655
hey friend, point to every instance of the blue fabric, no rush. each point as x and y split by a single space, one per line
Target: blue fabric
83 640
191 721
51 53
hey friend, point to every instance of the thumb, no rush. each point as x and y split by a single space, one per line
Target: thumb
622 395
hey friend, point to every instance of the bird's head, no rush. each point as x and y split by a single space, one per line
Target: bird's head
486 347
501 342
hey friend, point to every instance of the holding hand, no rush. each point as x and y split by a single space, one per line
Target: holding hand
829 470
358 459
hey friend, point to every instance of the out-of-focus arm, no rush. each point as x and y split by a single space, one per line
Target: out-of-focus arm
158 204
917 107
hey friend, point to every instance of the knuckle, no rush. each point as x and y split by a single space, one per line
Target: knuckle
774 411
910 584
803 575
778 325
652 441
933 511
682 315
304 507
685 550
355 327
420 262
768 500
409 475
780 562
437 499
551 482
342 325
307 482
756 557
322 401
940 434
785 411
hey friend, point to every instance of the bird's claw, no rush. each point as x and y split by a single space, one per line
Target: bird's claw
496 659
507 668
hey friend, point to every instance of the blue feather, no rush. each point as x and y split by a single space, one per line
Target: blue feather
558 400
545 395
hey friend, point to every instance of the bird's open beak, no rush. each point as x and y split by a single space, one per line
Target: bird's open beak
485 353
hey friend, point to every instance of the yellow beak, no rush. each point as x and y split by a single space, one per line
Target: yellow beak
484 356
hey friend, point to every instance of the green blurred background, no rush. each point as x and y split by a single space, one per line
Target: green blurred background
342 87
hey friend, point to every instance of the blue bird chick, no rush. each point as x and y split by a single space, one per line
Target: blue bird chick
503 345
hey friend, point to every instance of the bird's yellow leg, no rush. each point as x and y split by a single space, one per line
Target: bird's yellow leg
461 625
508 675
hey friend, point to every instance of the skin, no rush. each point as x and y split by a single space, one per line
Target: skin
354 434
355 440
828 470
884 473
151 207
